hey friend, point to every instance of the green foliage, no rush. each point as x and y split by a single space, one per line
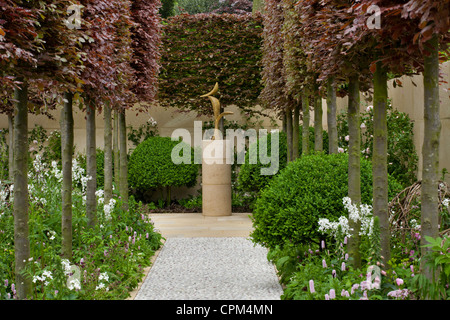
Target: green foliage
144 131
151 166
250 178
438 261
200 50
402 156
100 160
4 154
167 8
309 188
196 6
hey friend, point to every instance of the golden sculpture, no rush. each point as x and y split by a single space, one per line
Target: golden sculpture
216 108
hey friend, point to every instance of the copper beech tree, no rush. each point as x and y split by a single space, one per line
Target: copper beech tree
36 49
347 50
43 58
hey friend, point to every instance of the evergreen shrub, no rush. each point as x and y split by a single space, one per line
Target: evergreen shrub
309 188
151 166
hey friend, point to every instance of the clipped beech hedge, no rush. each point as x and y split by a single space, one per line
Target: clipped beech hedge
151 166
202 49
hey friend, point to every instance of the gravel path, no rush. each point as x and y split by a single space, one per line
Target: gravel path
211 269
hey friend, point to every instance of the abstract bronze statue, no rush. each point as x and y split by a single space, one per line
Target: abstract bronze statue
216 108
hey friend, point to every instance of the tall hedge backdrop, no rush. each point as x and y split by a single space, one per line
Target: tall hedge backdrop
202 49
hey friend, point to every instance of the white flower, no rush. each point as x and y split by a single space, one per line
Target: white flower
103 276
363 125
446 203
101 285
74 284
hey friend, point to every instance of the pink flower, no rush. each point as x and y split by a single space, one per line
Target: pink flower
311 286
340 150
333 273
343 266
399 281
327 297
332 294
323 244
324 263
347 138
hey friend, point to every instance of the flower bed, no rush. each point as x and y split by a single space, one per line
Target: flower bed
108 259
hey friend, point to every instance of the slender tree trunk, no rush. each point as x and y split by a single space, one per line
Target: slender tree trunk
296 133
66 189
11 147
116 149
354 166
283 122
318 127
332 117
21 229
379 160
306 121
91 166
430 151
222 123
123 185
289 133
108 166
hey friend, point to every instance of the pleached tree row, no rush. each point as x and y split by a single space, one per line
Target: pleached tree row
323 49
106 60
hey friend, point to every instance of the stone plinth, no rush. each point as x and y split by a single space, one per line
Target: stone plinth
216 179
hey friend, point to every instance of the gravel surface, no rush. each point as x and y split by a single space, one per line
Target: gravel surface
211 269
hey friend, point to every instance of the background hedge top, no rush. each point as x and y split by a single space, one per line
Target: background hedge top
199 50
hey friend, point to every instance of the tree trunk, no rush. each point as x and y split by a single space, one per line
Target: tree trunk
283 122
296 133
289 134
108 166
66 189
332 117
21 229
379 160
116 149
318 127
123 185
11 147
354 166
306 121
91 166
430 151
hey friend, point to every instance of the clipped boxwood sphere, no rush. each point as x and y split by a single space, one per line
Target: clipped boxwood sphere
309 188
151 166
250 178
